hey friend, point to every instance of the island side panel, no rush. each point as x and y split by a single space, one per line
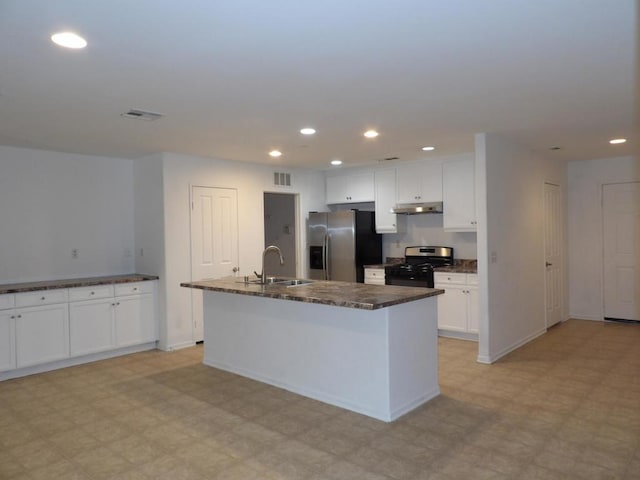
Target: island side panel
333 354
413 355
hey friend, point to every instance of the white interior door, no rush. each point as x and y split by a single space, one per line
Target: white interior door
214 241
553 253
621 225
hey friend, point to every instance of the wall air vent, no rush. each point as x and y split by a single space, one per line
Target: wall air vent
282 179
141 115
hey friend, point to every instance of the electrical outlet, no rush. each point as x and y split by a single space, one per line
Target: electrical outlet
74 253
494 257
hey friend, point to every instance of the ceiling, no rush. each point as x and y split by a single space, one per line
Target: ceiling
235 79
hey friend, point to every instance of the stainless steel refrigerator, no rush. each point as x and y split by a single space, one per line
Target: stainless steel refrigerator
340 243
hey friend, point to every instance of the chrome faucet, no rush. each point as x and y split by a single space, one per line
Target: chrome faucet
270 248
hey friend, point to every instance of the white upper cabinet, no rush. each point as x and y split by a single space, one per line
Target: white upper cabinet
458 192
419 183
385 198
355 188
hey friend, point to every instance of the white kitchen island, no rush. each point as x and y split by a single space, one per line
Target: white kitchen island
367 348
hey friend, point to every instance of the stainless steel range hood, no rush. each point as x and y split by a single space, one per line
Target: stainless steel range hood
418 208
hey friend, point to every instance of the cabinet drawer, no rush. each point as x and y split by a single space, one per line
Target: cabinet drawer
41 297
89 293
374 273
472 279
134 288
7 301
452 278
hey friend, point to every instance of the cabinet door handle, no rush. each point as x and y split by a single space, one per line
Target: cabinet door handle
43 298
93 293
12 316
135 289
19 316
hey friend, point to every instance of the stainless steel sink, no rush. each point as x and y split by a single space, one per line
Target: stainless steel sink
284 282
295 282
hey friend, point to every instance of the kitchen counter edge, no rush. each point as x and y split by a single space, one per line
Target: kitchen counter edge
74 282
340 294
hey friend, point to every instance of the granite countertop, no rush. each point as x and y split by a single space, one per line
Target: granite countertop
73 283
340 294
457 269
460 265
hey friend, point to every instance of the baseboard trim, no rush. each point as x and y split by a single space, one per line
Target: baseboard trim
178 346
586 317
472 337
72 362
492 358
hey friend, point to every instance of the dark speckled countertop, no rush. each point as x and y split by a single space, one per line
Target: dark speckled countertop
460 265
340 294
73 283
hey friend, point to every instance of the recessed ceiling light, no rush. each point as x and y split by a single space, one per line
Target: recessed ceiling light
68 40
616 141
336 162
307 131
275 153
371 134
428 149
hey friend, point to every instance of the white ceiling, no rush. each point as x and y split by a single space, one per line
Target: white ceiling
236 78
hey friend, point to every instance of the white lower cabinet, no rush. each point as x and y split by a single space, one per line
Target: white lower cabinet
7 340
42 334
91 326
124 316
458 308
45 326
135 320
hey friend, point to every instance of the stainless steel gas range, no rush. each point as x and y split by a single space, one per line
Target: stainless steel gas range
417 269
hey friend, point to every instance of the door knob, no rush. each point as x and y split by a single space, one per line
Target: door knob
547 264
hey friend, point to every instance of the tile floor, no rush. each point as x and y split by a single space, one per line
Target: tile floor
565 406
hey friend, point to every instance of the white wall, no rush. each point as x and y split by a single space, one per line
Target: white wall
51 203
510 209
585 180
180 172
149 227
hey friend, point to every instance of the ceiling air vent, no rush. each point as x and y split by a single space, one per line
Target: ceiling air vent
282 179
141 115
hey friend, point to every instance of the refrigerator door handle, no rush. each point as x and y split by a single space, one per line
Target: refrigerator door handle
325 257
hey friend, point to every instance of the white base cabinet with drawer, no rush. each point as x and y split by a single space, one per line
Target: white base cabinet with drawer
47 329
374 276
458 308
91 319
